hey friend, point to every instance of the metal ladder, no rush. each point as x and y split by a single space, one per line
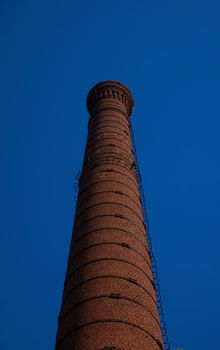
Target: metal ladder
166 342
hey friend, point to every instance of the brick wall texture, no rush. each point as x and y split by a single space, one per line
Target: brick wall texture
109 299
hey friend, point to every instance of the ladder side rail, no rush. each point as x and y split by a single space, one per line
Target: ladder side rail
150 246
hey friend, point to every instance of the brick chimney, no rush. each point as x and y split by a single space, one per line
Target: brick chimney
109 299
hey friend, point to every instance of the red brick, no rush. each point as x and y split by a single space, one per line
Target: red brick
109 297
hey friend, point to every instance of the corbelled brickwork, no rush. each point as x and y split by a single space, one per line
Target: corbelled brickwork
109 300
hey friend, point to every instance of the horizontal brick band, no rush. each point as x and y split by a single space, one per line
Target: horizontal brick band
120 170
91 260
100 193
93 126
120 244
158 342
79 238
106 148
106 221
109 114
116 143
110 129
104 140
115 204
109 126
111 296
95 186
107 160
114 109
109 260
110 156
109 336
123 201
108 118
127 279
104 135
96 286
85 189
78 227
105 113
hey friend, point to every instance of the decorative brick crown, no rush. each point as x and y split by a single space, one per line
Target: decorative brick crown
109 89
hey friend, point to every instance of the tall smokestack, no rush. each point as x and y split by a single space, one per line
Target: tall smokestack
109 298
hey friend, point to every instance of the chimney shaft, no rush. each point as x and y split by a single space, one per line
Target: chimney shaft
109 299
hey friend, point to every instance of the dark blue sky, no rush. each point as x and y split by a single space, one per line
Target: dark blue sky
52 53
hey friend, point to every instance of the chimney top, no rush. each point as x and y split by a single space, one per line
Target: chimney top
110 89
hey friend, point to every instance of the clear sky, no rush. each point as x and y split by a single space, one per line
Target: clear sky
52 53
